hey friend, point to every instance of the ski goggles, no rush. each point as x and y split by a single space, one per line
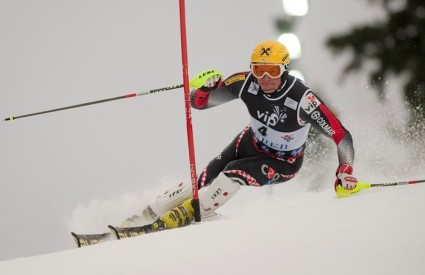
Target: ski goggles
272 70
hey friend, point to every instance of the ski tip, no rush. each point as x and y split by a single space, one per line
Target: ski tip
77 240
115 231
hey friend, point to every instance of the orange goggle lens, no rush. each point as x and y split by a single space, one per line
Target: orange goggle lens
272 70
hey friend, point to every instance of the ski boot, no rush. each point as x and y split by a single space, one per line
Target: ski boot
179 216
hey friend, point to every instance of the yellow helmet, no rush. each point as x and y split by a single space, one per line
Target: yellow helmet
270 52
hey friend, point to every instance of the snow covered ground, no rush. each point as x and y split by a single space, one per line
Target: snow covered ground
274 230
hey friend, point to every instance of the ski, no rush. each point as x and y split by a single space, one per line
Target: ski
128 232
117 233
83 240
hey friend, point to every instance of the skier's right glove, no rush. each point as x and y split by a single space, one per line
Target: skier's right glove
207 81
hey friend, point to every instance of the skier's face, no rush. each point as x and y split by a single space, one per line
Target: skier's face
269 85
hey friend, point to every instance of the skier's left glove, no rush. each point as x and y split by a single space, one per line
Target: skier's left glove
207 81
345 178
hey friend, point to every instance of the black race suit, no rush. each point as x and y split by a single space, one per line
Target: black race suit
271 148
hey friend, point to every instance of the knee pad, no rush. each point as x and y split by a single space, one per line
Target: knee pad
217 193
171 198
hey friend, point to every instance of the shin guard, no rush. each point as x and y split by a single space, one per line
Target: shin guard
217 193
170 199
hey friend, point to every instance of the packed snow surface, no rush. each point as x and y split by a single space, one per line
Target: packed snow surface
278 229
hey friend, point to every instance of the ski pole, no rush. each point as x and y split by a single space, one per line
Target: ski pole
343 193
12 118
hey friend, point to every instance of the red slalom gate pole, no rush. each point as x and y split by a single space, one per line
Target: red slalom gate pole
188 112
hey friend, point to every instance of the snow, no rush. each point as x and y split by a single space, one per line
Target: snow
278 229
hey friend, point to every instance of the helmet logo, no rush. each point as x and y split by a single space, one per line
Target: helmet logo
265 51
285 57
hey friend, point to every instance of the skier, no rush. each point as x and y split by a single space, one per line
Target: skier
268 151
